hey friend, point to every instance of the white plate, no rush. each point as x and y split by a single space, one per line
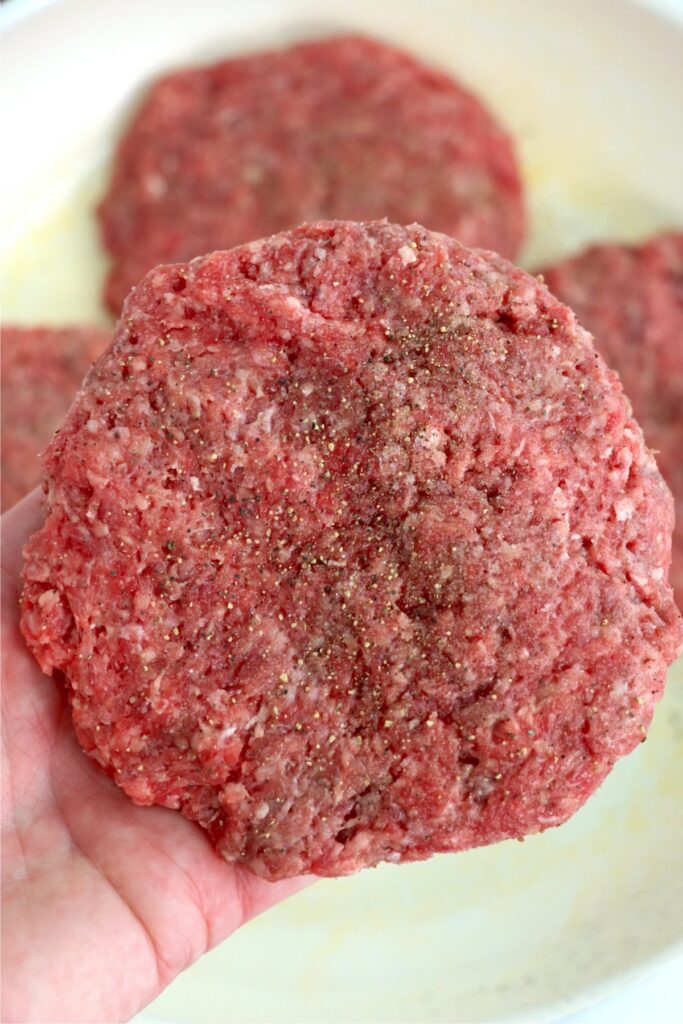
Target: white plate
593 92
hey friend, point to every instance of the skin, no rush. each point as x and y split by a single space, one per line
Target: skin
103 903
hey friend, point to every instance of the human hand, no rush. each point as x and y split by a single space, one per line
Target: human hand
104 903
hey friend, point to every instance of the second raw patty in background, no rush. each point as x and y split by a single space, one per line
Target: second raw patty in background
42 369
343 128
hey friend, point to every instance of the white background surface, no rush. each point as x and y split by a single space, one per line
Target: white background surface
655 1000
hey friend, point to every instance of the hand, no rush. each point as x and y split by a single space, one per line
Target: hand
103 902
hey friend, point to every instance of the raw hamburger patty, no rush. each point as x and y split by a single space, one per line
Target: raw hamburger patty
344 127
353 552
631 298
42 368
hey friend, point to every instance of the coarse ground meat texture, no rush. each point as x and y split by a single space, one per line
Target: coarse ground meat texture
631 299
353 552
42 368
343 127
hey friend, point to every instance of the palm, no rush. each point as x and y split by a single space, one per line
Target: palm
103 902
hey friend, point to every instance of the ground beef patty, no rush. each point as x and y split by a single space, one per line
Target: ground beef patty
353 552
631 298
344 127
42 368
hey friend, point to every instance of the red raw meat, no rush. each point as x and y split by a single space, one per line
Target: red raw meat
42 368
344 127
353 552
631 299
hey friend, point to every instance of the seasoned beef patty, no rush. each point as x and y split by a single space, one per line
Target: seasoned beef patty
353 552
